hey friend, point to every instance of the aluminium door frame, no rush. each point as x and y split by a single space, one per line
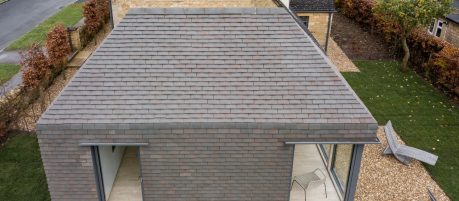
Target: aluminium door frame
98 173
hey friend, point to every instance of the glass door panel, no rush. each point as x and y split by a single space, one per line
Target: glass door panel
326 151
341 164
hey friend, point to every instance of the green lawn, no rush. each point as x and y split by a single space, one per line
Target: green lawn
423 116
7 71
22 177
68 16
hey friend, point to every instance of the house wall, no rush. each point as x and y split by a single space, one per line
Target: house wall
120 7
452 33
110 162
318 25
286 2
183 162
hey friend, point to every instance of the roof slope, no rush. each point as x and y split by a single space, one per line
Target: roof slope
312 5
454 16
207 65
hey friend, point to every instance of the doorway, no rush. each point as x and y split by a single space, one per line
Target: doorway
118 174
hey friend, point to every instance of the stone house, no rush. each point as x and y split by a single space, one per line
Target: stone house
203 104
317 16
447 28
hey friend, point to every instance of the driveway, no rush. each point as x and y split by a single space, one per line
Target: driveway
19 16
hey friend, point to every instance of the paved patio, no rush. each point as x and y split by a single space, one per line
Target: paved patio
307 158
127 186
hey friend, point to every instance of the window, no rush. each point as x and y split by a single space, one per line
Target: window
436 27
439 28
305 20
431 26
341 164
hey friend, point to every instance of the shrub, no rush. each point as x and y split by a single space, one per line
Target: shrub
91 16
57 45
443 69
3 131
430 57
35 66
96 13
104 10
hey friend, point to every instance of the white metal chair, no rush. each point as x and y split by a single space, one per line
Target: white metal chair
310 180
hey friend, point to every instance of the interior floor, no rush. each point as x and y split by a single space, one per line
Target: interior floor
127 186
306 159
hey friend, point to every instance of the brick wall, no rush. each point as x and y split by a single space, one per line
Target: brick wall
452 33
318 25
120 7
182 163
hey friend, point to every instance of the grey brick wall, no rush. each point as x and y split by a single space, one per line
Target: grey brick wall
186 162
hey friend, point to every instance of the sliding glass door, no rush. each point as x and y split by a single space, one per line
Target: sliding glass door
341 164
326 151
338 160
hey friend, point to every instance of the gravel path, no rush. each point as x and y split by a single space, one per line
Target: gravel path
339 58
382 177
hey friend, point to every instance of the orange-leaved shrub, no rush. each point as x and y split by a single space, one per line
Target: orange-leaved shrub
431 57
57 45
103 7
96 13
35 66
91 16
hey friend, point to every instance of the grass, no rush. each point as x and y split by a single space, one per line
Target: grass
22 177
68 16
7 71
423 116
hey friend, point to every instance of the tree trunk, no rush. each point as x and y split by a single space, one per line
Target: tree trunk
406 57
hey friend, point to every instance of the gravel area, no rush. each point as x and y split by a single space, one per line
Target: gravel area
359 43
382 177
339 58
33 113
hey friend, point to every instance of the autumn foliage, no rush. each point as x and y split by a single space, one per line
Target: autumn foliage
91 16
57 44
431 57
35 66
95 12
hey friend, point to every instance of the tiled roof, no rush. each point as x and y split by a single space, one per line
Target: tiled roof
454 16
312 5
207 65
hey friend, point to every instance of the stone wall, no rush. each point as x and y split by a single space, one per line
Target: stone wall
318 25
452 33
75 38
120 7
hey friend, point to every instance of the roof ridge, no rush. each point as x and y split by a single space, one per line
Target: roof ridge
204 11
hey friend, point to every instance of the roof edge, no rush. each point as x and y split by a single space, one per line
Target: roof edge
208 125
204 11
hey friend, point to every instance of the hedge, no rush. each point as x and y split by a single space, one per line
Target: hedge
431 57
41 69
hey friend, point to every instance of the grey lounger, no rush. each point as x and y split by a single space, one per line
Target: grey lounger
403 153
